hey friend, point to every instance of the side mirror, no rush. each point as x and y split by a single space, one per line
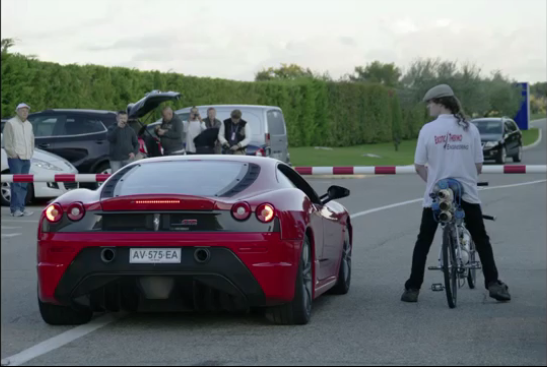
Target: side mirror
335 192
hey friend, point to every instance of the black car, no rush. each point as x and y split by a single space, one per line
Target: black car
80 136
501 138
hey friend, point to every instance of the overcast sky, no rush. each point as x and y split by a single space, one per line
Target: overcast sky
236 38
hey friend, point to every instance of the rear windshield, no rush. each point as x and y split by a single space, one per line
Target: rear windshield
488 126
201 178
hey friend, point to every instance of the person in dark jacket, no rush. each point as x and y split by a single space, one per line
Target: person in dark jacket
124 145
211 122
235 134
170 132
205 142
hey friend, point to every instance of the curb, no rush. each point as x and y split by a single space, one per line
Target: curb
537 142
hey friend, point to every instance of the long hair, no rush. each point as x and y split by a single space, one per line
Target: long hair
454 106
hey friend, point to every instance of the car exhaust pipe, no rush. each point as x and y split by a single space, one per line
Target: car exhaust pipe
202 255
108 255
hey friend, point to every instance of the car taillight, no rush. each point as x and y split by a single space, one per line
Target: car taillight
265 212
260 152
54 213
267 138
241 211
76 211
142 147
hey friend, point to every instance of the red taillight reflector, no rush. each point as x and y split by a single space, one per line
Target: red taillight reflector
54 213
157 202
265 213
241 211
76 211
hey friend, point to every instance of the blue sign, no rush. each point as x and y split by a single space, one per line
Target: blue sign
523 116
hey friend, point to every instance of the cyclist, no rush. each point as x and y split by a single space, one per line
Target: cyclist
451 148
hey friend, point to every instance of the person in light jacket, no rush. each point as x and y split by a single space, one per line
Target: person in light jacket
19 146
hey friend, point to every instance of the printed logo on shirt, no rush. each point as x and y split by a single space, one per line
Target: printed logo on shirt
449 138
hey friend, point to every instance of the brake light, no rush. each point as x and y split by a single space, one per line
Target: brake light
260 152
141 202
241 211
267 138
76 211
54 213
265 212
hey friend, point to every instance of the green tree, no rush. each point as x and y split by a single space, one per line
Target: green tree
377 72
285 72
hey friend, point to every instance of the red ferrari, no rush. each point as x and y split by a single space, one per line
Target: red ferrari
186 233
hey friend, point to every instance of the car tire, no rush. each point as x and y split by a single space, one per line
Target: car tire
518 157
5 185
63 316
297 312
344 274
502 156
103 169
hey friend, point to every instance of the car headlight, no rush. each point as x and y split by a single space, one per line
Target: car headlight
45 165
490 144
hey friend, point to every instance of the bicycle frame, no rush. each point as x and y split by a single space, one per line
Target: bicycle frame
447 209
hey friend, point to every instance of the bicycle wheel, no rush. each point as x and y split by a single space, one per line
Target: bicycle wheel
472 275
450 267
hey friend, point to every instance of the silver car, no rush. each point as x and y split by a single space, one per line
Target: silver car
269 131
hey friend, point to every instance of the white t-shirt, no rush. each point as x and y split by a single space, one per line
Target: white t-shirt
450 152
193 129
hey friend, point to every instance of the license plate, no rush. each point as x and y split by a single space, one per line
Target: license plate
154 256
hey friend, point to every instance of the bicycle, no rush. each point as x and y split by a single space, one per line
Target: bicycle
458 254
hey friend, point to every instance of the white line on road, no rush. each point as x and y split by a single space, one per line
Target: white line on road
19 221
80 331
395 205
8 227
58 341
10 235
536 143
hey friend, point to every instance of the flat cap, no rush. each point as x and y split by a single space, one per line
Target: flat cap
439 91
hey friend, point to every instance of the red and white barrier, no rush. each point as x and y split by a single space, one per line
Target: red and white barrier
306 171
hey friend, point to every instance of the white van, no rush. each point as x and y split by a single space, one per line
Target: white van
267 125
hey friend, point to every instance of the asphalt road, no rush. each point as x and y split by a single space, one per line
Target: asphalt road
369 326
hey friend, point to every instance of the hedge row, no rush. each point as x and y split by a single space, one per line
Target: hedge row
317 112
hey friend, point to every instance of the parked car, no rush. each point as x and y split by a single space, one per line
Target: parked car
267 125
42 163
501 138
234 233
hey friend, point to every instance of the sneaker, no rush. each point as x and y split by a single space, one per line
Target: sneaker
17 213
410 296
499 291
27 213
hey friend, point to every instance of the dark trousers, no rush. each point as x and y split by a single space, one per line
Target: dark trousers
474 223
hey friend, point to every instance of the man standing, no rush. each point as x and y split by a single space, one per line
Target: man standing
124 145
235 134
211 122
193 127
170 133
19 146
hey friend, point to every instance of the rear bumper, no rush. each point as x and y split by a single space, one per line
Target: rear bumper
256 270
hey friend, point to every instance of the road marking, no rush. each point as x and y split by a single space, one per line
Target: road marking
19 221
8 227
58 341
69 336
10 235
402 203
